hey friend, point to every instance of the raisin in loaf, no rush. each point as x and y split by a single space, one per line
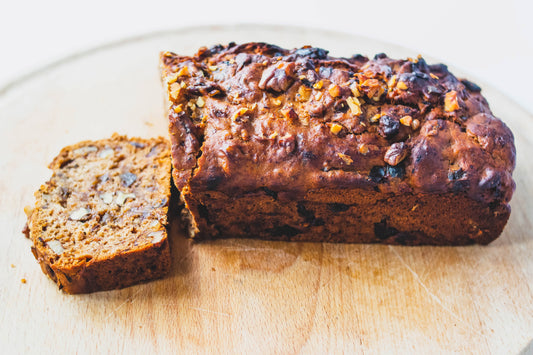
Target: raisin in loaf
99 222
298 145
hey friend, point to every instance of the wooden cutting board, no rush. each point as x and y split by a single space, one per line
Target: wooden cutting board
246 296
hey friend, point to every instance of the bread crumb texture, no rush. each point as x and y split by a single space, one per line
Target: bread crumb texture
99 222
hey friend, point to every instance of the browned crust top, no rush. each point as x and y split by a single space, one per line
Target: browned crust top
251 116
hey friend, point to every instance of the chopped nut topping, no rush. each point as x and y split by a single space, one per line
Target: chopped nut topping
377 95
178 108
122 197
450 101
172 79
276 102
334 90
363 149
304 93
28 210
200 102
157 236
415 124
392 82
55 246
376 117
212 67
406 120
346 158
335 128
240 112
374 87
370 83
107 197
355 105
154 224
414 208
174 91
396 153
304 119
433 76
355 90
402 86
81 214
289 113
273 135
183 85
318 85
184 71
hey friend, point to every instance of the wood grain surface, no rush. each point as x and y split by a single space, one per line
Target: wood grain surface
246 296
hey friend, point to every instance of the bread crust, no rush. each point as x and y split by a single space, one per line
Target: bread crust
250 118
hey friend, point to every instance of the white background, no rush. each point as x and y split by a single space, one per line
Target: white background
491 40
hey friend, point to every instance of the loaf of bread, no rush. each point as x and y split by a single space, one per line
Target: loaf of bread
298 145
99 222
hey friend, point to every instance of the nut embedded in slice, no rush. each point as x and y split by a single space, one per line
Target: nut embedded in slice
81 214
157 236
106 153
122 197
107 197
56 246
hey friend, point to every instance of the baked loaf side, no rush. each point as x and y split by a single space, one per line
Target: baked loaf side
99 222
299 145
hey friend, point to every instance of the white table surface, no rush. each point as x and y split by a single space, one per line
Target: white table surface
491 40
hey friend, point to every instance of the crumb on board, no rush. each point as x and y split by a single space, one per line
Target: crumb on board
23 280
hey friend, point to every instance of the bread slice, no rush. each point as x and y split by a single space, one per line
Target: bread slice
99 222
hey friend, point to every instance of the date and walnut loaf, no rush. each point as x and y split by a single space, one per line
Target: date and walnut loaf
99 222
298 145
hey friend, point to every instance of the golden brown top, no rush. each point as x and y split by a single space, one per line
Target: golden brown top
250 116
